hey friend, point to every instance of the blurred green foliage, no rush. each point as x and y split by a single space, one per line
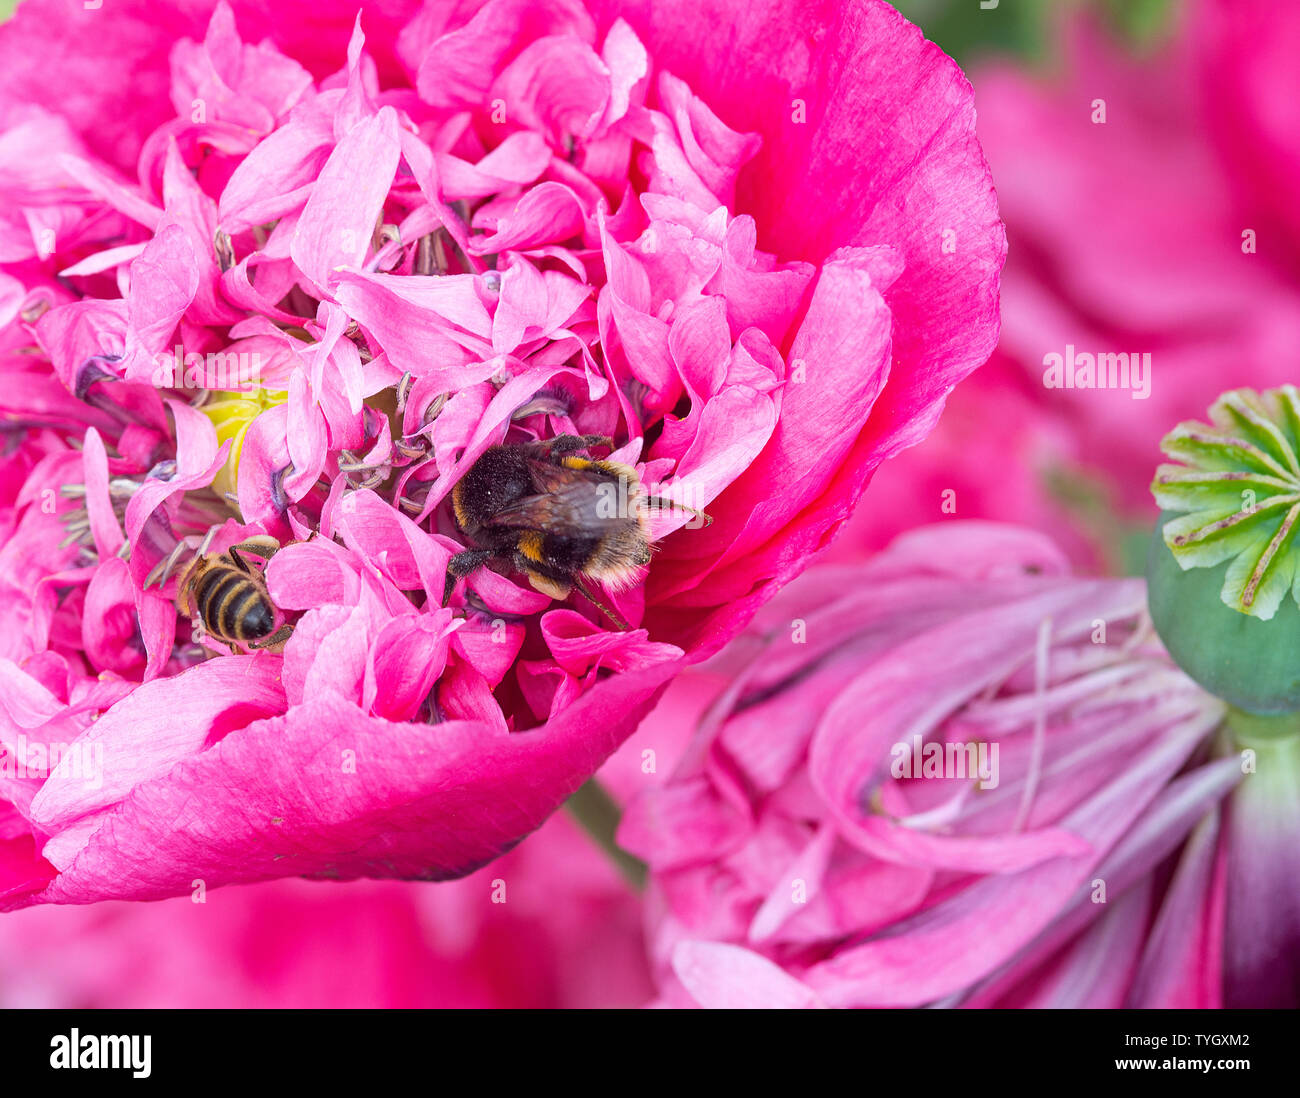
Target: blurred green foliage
1142 21
7 9
966 29
1090 502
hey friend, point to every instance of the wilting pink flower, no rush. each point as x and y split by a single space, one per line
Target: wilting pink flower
958 775
758 253
1146 216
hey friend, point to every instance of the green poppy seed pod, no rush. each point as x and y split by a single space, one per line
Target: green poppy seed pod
1223 566
1251 664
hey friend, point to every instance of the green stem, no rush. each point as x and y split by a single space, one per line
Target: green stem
1268 800
1255 729
598 814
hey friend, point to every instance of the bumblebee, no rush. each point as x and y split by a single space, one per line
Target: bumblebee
229 596
558 517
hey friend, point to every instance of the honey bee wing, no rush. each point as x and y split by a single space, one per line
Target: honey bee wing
576 507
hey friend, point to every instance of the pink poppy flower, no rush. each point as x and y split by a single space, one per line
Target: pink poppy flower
298 275
959 775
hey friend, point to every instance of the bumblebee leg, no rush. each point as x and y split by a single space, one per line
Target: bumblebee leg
661 502
461 565
547 586
591 597
275 639
238 561
563 444
546 402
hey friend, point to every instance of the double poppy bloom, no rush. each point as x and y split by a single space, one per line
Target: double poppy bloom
274 270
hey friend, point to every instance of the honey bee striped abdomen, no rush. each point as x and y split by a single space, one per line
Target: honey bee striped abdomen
229 596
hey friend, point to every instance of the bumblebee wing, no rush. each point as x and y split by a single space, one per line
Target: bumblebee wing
578 507
555 477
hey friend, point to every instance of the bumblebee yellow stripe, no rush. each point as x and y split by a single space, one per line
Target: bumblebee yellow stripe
530 545
458 506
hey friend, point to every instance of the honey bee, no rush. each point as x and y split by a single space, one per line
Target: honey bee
229 596
558 517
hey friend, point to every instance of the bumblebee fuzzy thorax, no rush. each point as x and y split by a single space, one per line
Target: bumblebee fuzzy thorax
499 478
557 516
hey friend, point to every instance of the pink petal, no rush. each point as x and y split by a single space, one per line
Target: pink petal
549 213
729 977
103 522
456 69
1182 964
927 956
558 86
423 801
339 218
160 724
842 348
408 656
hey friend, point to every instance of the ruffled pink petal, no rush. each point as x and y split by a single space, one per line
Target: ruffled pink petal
339 219
926 957
728 977
139 38
103 522
558 86
276 176
456 69
842 348
164 280
109 627
160 724
427 802
408 656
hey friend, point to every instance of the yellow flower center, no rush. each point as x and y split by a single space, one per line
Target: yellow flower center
232 413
